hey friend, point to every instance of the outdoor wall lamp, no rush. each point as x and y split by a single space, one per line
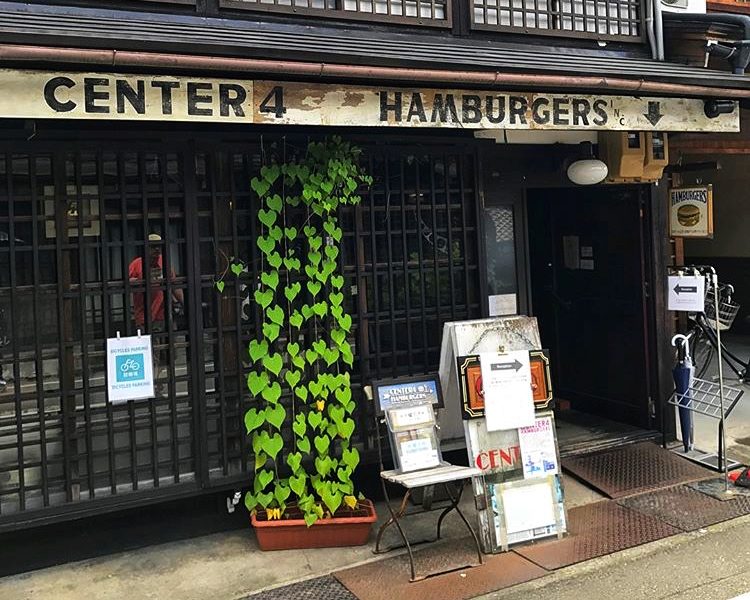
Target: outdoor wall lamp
589 170
713 107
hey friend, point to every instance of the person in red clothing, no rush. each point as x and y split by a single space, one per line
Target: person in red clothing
136 274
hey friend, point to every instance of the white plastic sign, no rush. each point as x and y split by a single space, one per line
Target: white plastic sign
130 372
508 398
686 293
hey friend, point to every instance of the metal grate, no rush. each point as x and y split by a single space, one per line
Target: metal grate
320 588
436 13
601 19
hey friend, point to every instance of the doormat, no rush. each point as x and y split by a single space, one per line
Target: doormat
633 469
389 579
596 530
686 508
320 588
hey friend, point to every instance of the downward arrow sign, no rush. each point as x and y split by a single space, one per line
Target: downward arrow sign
654 113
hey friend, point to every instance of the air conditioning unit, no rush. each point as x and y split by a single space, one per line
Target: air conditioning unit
684 6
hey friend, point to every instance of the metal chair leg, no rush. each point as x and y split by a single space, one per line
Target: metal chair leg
468 525
394 520
452 506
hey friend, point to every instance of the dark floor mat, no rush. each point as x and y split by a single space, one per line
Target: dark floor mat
596 530
687 508
389 579
633 469
320 588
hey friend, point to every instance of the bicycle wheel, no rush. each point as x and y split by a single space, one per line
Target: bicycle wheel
703 353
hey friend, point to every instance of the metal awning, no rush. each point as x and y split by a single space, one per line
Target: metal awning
126 30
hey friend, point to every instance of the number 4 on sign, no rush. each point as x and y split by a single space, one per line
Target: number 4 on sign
274 102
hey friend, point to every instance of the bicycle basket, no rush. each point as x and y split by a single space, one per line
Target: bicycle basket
728 310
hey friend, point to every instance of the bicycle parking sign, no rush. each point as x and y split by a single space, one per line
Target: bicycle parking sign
129 369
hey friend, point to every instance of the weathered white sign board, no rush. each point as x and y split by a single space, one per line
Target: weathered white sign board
686 293
44 94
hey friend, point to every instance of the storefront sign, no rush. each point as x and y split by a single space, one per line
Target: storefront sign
407 392
129 368
39 94
691 212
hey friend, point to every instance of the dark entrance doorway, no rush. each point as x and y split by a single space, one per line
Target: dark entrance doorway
588 252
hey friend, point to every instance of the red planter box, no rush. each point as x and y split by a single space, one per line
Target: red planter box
288 534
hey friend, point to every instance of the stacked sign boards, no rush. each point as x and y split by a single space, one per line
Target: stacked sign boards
496 372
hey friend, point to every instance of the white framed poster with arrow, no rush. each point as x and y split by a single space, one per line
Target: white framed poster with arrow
508 395
686 293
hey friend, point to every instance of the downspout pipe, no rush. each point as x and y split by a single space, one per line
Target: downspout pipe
659 29
737 53
650 27
38 55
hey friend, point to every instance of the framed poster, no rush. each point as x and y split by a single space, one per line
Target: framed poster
691 212
470 382
541 378
407 390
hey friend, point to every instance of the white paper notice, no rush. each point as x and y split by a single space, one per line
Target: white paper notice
528 507
129 369
686 293
508 398
502 305
538 451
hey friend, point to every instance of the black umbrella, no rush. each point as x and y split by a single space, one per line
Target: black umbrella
683 380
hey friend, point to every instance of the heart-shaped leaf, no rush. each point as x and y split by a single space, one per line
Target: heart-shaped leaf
253 420
264 499
271 445
292 264
299 361
344 394
260 460
326 186
346 354
336 298
299 426
338 335
272 393
328 266
297 483
257 382
313 287
275 203
263 478
294 460
292 378
307 311
273 362
270 279
271 331
310 519
337 281
315 243
267 217
275 260
276 315
276 233
290 233
322 443
350 501
349 407
320 309
311 356
260 186
315 258
309 231
330 356
315 388
266 245
220 286
310 271
257 349
256 442
237 268
275 415
332 499
350 457
319 346
315 419
291 291
332 252
332 430
332 229
344 475
263 298
270 173
337 311
345 322
345 429
282 493
322 466
250 502
304 445
336 413
293 348
301 393
296 319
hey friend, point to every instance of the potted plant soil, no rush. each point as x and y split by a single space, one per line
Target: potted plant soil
302 493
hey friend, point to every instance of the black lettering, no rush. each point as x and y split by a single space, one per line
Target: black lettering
385 108
493 117
560 111
599 106
231 95
194 99
540 111
471 109
166 88
136 98
416 108
441 107
517 108
91 95
581 110
274 102
49 94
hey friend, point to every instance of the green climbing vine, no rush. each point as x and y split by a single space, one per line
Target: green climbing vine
302 354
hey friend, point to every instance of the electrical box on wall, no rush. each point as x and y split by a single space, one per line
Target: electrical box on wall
634 156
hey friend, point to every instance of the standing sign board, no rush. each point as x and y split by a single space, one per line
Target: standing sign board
691 212
130 373
686 293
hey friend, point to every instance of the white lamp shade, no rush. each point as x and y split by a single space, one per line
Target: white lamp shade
587 172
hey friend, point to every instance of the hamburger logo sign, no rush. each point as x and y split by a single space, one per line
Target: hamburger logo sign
691 212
